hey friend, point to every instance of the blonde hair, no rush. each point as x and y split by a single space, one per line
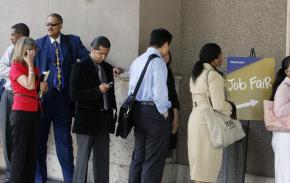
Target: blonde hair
23 44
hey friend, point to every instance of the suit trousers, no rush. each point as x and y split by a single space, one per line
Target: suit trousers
5 110
24 135
57 111
100 145
152 134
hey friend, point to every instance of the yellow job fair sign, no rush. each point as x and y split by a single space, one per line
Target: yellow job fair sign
249 82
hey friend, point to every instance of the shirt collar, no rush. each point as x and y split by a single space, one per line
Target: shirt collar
57 39
153 50
95 62
207 66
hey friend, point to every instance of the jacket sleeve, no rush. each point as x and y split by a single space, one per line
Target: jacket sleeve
82 51
172 94
77 92
4 63
111 78
217 93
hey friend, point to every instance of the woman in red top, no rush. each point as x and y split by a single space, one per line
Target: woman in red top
25 111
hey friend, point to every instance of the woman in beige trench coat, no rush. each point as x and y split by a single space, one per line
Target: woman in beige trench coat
205 160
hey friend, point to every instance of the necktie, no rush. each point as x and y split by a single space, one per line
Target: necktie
58 84
103 79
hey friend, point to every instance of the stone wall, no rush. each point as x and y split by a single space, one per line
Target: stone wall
86 18
237 26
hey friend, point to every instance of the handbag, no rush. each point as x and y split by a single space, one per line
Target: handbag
2 88
272 122
223 130
125 120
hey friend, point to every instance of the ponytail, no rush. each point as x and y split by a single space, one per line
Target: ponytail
197 70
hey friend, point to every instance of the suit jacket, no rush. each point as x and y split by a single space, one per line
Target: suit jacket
71 49
85 92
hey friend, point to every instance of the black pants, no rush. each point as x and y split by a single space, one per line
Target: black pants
152 134
24 134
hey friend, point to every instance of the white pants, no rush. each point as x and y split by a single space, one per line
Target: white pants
281 147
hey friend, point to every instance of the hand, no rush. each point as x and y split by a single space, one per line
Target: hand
117 71
29 57
174 126
165 115
43 87
104 88
175 121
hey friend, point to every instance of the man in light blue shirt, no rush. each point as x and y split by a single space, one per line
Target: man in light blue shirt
18 30
151 120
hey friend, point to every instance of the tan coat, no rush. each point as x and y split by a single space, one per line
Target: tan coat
205 160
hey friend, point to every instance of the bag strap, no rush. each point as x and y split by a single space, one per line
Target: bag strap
206 80
151 57
207 83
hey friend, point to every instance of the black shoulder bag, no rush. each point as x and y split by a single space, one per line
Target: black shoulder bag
2 83
125 120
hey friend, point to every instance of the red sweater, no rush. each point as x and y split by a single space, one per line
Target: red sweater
24 99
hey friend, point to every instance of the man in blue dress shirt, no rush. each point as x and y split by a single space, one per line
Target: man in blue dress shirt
151 120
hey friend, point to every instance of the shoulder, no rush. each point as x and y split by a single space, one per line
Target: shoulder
10 48
71 37
214 76
17 67
107 65
284 86
159 63
81 64
41 41
282 91
9 51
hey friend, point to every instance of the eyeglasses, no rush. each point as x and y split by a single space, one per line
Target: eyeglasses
52 24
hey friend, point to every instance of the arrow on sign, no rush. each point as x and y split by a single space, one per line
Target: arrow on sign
250 103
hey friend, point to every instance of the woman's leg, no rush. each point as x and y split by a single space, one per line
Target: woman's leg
20 135
30 164
281 147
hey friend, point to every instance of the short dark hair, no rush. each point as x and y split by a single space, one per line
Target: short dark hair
100 41
56 15
21 28
160 36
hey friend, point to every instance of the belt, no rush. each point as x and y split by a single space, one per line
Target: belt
200 103
151 103
28 96
8 91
